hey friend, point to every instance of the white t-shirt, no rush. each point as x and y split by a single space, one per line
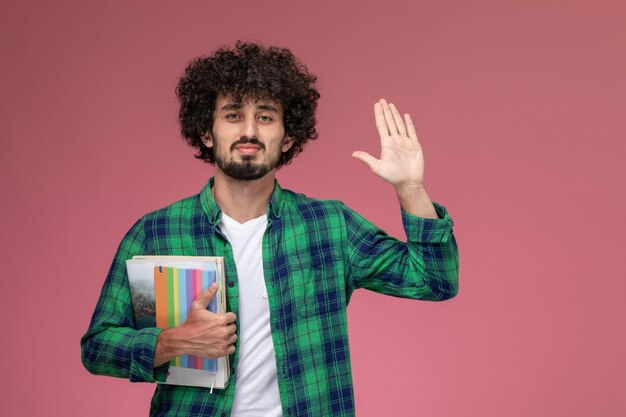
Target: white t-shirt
256 389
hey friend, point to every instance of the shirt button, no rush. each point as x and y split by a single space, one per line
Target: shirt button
231 284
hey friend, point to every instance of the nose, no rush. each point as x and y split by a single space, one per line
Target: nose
249 128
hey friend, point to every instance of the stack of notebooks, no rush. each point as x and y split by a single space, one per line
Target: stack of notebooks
162 289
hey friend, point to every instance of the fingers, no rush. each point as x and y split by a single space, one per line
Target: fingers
231 328
390 122
231 338
397 119
381 123
206 297
229 317
409 126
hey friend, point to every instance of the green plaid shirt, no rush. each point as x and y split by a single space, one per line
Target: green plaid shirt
315 254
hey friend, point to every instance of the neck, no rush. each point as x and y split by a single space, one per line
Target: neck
243 200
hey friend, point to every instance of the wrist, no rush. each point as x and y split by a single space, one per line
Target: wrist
168 346
410 189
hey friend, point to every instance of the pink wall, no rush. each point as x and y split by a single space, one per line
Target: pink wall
519 106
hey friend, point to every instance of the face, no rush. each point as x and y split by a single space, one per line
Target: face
248 137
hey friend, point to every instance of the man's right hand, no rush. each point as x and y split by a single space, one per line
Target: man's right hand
203 334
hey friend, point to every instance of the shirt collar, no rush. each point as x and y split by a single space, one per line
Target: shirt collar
214 213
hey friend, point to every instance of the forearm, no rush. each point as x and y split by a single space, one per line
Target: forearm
121 352
169 345
112 344
414 200
425 267
441 268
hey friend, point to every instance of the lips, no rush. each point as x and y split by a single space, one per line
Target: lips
247 148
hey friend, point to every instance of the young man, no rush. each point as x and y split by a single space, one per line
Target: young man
292 262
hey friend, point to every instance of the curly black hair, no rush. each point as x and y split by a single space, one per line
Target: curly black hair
252 71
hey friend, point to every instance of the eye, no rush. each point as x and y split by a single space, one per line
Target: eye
265 119
231 116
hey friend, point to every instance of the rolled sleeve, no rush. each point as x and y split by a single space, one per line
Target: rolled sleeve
423 230
141 368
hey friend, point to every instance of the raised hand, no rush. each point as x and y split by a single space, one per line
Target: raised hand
401 160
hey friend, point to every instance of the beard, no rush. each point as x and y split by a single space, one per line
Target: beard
247 169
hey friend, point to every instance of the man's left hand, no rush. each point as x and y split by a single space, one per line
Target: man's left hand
401 160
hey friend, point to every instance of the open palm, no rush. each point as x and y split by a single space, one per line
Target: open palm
401 160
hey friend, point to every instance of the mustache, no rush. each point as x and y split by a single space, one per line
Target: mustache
244 140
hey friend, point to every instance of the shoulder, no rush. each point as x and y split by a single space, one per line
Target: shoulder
327 214
323 213
169 229
181 208
311 207
171 216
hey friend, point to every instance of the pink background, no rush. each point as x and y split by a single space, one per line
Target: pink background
519 106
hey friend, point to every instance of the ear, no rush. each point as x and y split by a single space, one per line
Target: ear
207 140
287 143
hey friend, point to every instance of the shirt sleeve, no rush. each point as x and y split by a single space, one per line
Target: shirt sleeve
424 267
112 344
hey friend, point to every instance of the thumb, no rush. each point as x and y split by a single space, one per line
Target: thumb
205 298
366 158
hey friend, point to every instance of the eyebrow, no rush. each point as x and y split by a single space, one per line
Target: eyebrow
267 107
231 106
237 106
